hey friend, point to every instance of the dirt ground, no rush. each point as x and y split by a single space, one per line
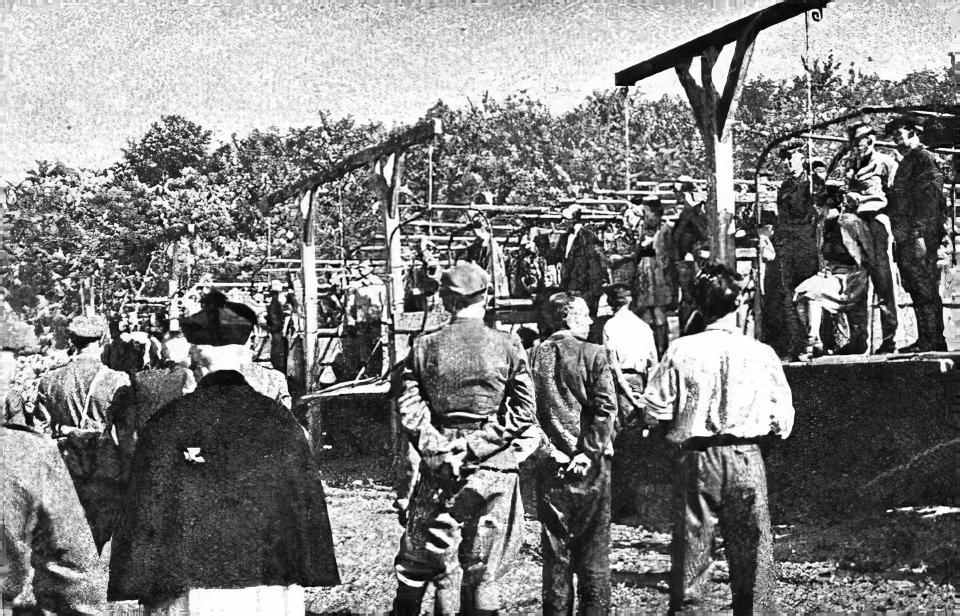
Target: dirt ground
896 560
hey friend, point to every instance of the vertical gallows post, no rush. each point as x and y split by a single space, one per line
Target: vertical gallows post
308 275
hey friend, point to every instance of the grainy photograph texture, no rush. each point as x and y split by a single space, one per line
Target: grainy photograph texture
479 307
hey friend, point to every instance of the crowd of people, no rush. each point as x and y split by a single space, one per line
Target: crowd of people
176 473
836 240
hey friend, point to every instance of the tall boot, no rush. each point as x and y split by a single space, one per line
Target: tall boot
661 336
931 338
923 327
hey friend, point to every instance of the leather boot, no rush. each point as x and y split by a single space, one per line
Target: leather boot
661 336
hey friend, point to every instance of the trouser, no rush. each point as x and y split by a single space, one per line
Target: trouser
917 259
881 275
463 546
625 409
574 515
656 318
278 352
371 355
725 485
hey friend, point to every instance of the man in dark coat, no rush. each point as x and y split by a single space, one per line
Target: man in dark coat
467 402
917 215
277 317
48 560
576 409
224 494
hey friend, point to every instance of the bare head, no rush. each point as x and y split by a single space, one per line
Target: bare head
566 311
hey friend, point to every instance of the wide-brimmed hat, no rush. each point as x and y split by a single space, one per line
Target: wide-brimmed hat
219 322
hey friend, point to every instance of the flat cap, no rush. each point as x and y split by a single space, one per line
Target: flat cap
905 121
860 130
219 322
93 326
789 148
465 279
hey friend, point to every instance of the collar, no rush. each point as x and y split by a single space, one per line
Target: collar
455 320
222 377
566 333
725 324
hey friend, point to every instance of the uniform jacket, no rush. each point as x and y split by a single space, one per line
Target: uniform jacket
47 543
467 374
576 397
917 199
223 493
62 392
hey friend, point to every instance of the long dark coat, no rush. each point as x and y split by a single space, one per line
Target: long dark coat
224 493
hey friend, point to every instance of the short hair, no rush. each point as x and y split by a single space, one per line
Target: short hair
619 295
788 150
904 122
716 290
557 309
654 206
815 163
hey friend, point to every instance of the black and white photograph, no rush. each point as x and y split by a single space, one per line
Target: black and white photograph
479 307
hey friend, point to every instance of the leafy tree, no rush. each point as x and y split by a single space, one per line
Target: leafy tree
167 149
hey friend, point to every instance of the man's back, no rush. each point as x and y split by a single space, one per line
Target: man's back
63 394
223 493
47 543
722 382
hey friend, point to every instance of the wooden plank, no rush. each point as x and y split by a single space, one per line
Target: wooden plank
421 133
308 275
720 37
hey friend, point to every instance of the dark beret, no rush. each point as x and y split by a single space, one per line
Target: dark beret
219 322
465 279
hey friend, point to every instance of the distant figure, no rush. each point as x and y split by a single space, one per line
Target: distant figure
225 487
364 315
723 393
657 278
277 317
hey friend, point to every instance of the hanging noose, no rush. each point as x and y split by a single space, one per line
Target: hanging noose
816 14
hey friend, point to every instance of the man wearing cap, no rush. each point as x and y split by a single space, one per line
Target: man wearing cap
364 313
657 279
795 244
225 511
917 215
48 560
577 411
467 400
870 175
74 405
690 238
277 318
723 393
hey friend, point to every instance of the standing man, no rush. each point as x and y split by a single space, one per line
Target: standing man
870 175
467 398
690 238
576 409
657 280
723 393
631 351
277 316
225 511
917 215
74 405
364 311
48 560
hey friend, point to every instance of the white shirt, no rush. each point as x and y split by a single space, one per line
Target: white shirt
720 382
629 341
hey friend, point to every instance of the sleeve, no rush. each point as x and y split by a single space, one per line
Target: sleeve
929 184
662 392
415 416
64 558
781 398
520 410
42 417
283 392
603 409
852 234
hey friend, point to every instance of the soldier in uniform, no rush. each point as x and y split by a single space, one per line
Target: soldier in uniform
467 400
225 511
74 404
870 175
577 411
48 560
917 216
723 393
690 236
657 278
795 244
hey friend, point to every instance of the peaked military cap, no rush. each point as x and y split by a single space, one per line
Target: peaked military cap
468 280
861 130
219 322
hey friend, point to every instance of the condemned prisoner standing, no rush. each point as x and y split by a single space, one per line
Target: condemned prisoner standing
723 394
467 399
917 215
576 409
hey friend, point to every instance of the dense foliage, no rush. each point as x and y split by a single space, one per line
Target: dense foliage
177 207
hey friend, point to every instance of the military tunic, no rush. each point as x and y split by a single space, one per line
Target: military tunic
577 411
917 216
470 382
48 550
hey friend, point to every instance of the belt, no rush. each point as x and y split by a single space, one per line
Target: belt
459 424
702 443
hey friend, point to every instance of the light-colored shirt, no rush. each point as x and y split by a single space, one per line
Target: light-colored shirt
629 341
720 382
366 299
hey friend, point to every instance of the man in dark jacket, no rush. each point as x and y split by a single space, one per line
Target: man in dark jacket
576 409
917 211
225 498
48 560
467 400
